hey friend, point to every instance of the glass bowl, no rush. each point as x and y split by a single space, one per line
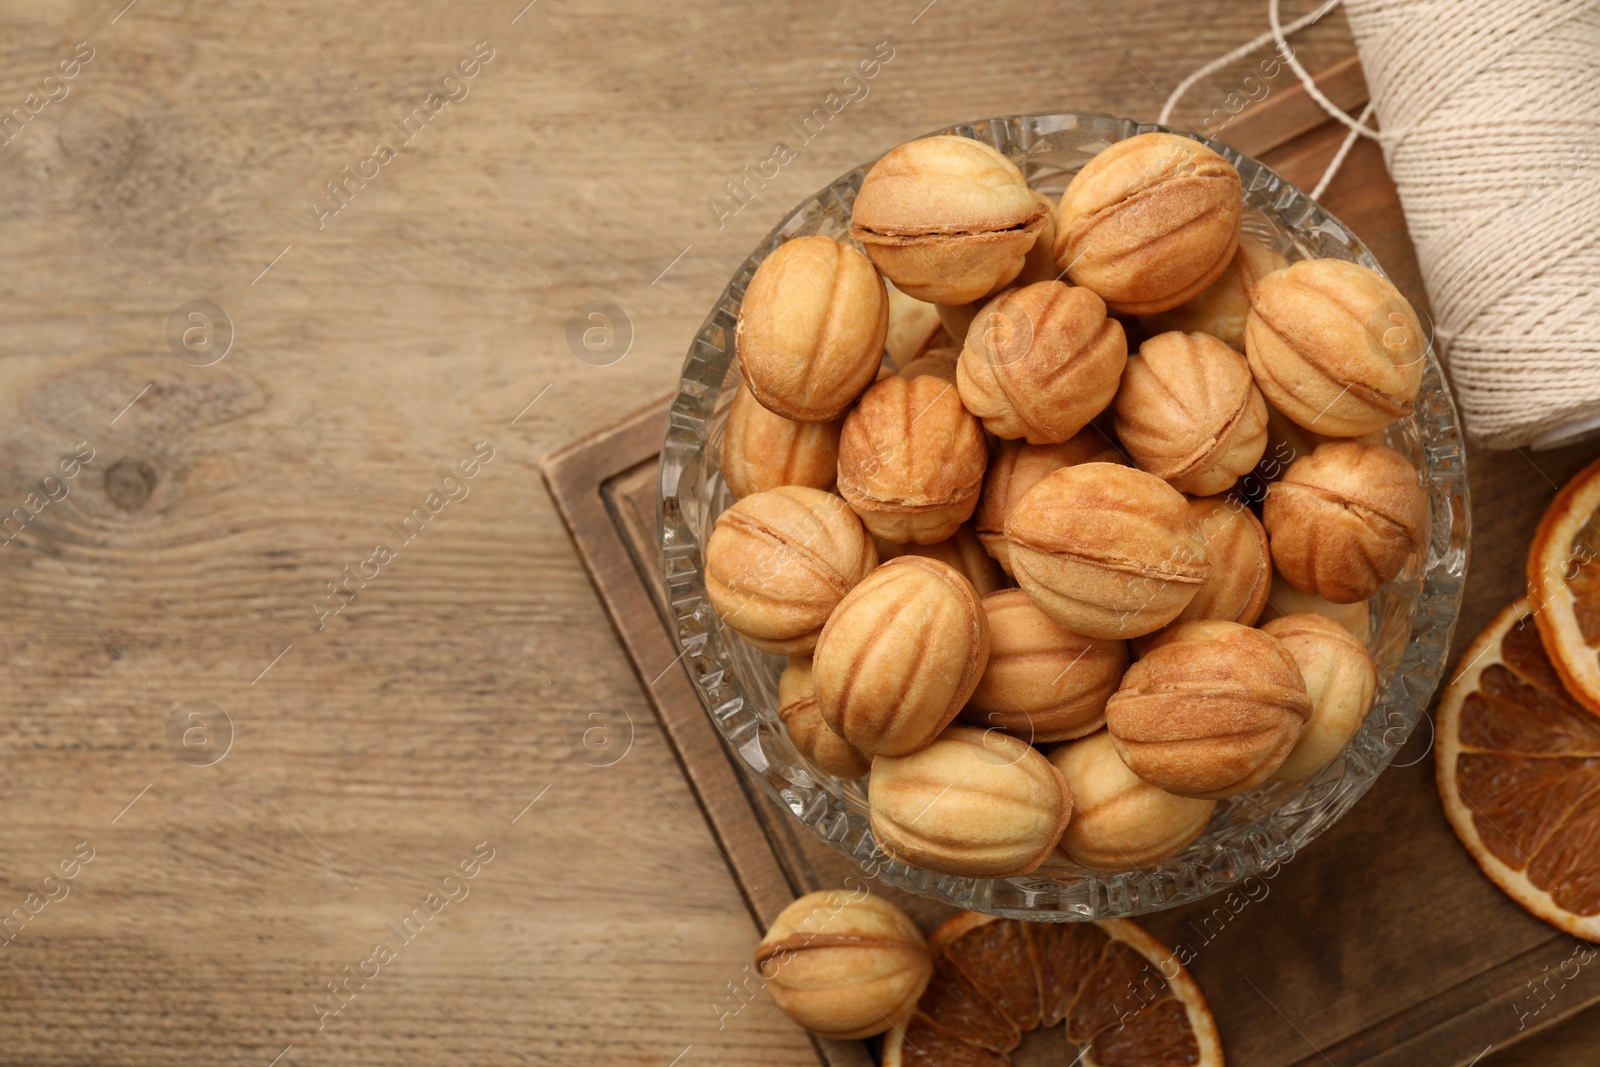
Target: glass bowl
1412 618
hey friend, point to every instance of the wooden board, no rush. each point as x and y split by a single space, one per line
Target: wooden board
1379 945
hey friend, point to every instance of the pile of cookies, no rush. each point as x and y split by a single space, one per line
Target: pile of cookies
1014 565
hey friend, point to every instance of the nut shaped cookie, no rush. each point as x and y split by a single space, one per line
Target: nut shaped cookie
963 551
1042 683
1285 599
978 803
778 563
1211 709
1105 550
1014 468
1040 263
1189 413
939 362
1222 309
811 328
1150 222
1241 569
914 328
947 219
900 655
1345 520
1341 680
1039 362
762 450
1335 346
808 728
1119 820
844 964
911 459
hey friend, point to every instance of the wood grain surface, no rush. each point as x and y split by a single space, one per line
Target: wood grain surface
270 789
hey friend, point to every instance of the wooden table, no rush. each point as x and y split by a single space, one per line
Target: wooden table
284 746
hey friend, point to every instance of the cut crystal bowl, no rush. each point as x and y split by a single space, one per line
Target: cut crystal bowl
1412 618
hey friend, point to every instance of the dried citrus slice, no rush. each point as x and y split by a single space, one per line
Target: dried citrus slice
1000 959
1564 585
1518 763
1125 999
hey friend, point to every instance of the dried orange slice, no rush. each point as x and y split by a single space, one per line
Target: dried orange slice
1125 1000
1518 763
1564 585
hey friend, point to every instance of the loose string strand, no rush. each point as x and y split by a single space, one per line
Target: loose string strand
1237 54
1333 110
1338 158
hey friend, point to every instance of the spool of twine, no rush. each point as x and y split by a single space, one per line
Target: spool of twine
1489 118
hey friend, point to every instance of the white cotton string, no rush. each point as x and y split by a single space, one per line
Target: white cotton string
1490 133
1239 53
1338 157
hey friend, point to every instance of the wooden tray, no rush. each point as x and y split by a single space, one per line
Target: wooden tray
1380 944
